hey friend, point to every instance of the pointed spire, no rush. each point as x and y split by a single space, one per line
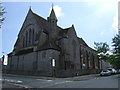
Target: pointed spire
52 14
30 7
30 10
52 5
72 25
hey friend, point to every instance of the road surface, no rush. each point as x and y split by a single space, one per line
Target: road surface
90 81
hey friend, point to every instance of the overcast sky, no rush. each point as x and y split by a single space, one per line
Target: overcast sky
95 21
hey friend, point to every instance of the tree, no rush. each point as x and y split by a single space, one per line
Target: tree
115 58
2 11
101 47
116 44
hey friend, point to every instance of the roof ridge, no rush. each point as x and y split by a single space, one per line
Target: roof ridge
39 16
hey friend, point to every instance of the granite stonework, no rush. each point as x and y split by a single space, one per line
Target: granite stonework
40 41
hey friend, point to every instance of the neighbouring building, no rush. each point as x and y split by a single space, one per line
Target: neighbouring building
43 48
105 65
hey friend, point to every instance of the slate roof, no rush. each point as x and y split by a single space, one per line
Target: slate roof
63 33
44 24
41 21
81 41
52 15
50 45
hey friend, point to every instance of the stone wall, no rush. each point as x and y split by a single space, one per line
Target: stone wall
71 73
36 62
45 61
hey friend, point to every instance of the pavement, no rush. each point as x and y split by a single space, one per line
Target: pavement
10 85
17 84
75 78
82 78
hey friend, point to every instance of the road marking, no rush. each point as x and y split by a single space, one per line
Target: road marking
57 83
19 81
25 86
49 80
44 80
13 81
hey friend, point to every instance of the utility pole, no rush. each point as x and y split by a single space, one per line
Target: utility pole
3 63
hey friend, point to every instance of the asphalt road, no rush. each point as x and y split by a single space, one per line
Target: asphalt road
90 81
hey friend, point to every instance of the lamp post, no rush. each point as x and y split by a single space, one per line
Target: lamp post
5 58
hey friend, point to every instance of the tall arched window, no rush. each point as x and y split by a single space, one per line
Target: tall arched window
32 36
87 60
23 41
74 48
29 37
26 39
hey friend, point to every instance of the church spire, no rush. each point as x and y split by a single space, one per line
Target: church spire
52 14
30 10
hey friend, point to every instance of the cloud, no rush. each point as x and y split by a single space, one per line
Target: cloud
115 22
119 15
101 33
58 11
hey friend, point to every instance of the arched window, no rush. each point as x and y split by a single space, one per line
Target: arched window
32 36
29 37
26 39
23 41
87 60
36 35
74 48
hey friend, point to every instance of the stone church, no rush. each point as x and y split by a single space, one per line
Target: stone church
43 48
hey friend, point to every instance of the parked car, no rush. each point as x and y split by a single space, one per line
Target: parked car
105 73
113 71
118 71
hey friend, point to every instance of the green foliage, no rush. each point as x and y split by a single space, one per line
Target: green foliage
2 11
116 44
101 47
114 60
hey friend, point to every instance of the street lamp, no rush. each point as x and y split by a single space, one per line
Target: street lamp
4 63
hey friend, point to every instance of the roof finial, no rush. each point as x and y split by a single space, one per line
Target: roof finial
30 7
52 14
52 5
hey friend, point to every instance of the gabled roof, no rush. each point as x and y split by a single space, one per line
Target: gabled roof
81 41
49 45
41 21
63 31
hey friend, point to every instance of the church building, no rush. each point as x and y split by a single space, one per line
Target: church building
45 49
